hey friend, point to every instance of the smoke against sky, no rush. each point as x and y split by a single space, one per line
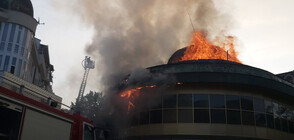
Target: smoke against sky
130 34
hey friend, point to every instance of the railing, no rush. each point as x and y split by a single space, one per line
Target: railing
28 92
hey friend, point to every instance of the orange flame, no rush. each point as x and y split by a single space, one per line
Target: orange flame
131 94
201 48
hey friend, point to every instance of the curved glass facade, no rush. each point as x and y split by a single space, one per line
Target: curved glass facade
15 47
218 109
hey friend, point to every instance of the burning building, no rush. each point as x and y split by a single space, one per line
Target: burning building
214 97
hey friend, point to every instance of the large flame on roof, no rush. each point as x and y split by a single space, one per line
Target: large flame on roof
201 48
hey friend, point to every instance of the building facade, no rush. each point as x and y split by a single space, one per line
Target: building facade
217 99
23 59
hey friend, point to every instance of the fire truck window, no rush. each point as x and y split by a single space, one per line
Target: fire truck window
248 118
201 100
269 107
144 117
258 105
156 116
233 101
170 116
247 103
233 117
88 133
185 115
217 101
169 101
270 121
277 123
9 123
185 100
201 116
218 116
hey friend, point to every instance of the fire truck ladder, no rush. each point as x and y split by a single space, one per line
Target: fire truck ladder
88 64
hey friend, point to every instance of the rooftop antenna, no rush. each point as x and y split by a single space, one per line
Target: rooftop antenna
39 22
87 64
190 20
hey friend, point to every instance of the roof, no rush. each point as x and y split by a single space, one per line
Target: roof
24 6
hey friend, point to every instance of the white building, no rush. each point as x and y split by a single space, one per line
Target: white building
24 61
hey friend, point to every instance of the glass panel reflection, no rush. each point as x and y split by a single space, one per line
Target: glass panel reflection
185 100
155 116
201 116
185 115
170 116
201 100
248 118
247 103
218 116
233 117
217 101
233 101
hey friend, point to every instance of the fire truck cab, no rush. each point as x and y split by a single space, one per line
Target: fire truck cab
22 118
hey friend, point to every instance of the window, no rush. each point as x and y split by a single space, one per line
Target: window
169 101
258 105
12 32
19 67
268 107
9 48
233 117
24 41
217 101
291 126
201 116
260 119
134 119
248 118
2 46
22 51
246 103
218 116
0 61
170 116
144 117
5 32
16 47
88 133
270 121
284 125
6 63
185 115
233 101
185 100
155 116
18 36
201 100
277 123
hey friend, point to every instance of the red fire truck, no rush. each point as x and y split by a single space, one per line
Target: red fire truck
22 118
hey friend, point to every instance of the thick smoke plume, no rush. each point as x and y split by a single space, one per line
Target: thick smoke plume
132 34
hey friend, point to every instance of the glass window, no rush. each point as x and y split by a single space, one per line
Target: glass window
134 119
144 117
16 48
258 105
156 116
276 109
283 111
277 123
12 32
185 100
157 103
5 32
185 115
22 51
18 36
248 118
291 126
201 100
6 63
0 61
201 116
9 47
233 117
24 41
233 101
88 133
260 119
170 116
14 61
270 121
2 46
217 101
247 103
268 107
218 116
284 124
19 67
169 101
